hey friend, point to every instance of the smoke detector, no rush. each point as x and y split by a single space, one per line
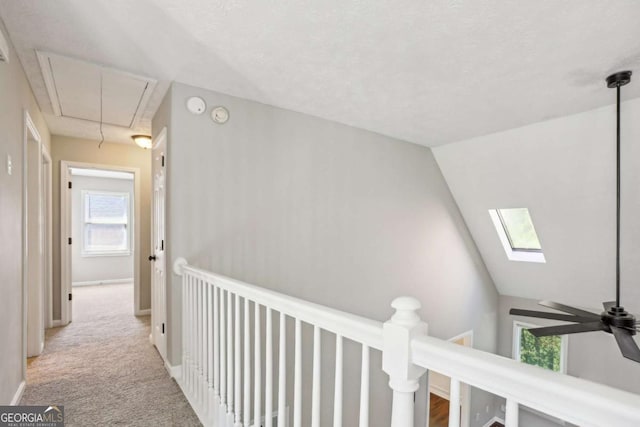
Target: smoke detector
4 48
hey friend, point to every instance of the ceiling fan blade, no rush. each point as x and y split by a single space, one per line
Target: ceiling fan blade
567 329
608 305
627 344
568 309
552 316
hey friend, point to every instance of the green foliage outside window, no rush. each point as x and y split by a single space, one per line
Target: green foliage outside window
543 351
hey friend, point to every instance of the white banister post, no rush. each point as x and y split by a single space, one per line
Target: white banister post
178 264
398 332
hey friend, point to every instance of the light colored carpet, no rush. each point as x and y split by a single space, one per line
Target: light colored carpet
103 369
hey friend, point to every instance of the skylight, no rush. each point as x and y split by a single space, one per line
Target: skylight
518 226
517 234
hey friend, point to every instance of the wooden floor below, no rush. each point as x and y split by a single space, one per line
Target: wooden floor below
438 411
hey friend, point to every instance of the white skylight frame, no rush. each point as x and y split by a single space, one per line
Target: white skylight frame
513 254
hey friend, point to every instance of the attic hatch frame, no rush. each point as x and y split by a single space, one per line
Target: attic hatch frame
44 60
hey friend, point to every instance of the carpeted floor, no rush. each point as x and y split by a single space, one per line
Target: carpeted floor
103 369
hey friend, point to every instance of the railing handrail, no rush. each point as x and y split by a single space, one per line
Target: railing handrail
351 326
571 399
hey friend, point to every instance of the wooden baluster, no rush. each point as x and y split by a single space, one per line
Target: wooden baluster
511 415
216 342
282 372
210 391
297 378
185 278
268 382
257 369
337 394
247 366
203 342
229 353
223 351
315 392
454 403
236 369
190 334
364 388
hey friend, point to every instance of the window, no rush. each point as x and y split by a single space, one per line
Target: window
517 234
106 228
547 352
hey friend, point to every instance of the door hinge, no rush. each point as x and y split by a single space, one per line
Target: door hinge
162 160
69 240
70 297
163 328
162 245
70 184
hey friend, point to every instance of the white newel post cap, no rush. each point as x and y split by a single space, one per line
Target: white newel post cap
406 308
404 325
178 264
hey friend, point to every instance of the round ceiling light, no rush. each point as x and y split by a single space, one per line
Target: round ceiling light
143 141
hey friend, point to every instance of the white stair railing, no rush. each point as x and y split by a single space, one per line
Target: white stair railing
219 365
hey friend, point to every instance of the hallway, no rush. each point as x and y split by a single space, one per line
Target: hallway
103 369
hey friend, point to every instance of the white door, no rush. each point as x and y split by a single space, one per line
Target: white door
158 261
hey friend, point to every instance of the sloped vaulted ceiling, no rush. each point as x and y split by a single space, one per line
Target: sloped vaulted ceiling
563 170
428 72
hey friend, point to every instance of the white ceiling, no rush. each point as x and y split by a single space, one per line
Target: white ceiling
426 72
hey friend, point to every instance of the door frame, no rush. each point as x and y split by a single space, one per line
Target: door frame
30 135
65 233
47 203
465 389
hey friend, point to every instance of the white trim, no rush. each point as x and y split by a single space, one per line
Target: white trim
175 372
65 227
511 254
30 133
515 344
144 312
18 394
494 420
101 173
47 175
56 323
104 282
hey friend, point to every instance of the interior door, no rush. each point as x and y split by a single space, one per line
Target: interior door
158 245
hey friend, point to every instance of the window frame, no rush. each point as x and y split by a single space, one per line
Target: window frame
564 345
525 255
85 252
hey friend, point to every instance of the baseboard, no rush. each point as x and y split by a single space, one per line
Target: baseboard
494 420
18 395
439 391
103 282
56 323
174 371
145 312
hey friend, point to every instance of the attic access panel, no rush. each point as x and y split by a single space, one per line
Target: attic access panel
87 91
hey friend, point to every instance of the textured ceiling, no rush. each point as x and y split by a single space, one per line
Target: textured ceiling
426 72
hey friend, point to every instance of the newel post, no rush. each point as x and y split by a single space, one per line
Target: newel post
398 332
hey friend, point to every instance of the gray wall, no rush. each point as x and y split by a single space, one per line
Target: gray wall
16 96
106 267
322 211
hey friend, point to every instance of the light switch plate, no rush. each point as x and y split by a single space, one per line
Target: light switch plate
9 164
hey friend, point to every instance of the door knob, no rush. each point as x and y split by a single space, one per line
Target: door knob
152 257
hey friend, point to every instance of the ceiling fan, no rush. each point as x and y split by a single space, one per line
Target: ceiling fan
614 319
